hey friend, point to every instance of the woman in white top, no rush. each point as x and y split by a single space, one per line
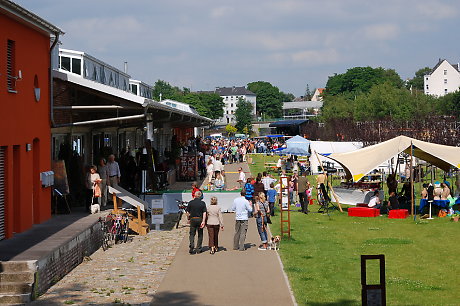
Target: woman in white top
209 170
92 179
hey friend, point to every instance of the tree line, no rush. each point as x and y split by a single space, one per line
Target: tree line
365 93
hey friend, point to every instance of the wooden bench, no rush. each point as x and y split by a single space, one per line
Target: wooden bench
138 223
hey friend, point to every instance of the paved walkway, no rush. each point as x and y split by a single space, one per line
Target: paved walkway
228 277
232 175
127 273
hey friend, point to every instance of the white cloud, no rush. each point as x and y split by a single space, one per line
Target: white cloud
381 32
436 10
103 33
222 11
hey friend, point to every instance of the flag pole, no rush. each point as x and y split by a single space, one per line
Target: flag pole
411 180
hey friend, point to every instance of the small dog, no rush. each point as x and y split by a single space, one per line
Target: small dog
95 208
275 243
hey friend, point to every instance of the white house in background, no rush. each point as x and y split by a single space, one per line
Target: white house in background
443 79
317 95
230 96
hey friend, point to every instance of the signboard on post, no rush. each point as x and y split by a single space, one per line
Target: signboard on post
188 169
284 204
373 294
157 213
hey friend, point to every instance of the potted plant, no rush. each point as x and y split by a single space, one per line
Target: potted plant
455 217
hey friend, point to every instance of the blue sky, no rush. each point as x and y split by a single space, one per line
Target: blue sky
290 43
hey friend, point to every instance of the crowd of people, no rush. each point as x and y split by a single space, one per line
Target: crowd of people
200 216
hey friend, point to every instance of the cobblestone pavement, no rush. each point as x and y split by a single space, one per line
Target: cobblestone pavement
127 273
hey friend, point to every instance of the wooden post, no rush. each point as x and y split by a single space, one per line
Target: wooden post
285 207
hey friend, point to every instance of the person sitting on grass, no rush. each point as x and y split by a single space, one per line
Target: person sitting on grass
374 202
393 201
219 182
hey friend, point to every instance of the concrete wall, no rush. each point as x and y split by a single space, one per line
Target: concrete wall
64 259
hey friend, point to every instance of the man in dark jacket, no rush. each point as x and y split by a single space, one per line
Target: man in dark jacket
196 210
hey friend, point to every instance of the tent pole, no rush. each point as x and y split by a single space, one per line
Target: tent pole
411 180
330 185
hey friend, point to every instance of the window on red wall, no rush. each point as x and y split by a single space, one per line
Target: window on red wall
10 66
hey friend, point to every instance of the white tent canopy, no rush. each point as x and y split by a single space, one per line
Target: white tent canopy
298 142
359 163
329 147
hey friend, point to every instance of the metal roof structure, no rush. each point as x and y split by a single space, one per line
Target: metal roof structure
302 104
288 123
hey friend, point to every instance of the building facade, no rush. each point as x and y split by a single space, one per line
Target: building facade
231 96
25 139
443 79
99 110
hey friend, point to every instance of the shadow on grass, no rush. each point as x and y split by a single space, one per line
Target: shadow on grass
341 302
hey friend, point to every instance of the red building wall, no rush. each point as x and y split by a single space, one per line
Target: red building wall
25 121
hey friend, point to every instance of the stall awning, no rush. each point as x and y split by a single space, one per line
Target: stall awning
358 163
288 123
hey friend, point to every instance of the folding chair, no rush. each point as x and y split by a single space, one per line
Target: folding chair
324 200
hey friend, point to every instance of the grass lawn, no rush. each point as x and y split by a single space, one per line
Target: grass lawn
322 259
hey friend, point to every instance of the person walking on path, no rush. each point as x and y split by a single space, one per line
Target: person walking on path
249 193
215 221
302 183
196 210
259 186
241 207
271 196
267 180
261 211
209 171
218 167
241 177
114 171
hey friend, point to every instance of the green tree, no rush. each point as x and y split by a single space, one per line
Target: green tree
206 104
210 105
286 97
449 104
337 107
230 129
213 103
243 116
269 98
418 80
360 80
166 90
387 101
309 93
